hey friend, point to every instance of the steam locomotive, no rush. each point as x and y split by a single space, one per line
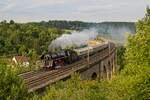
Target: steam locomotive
54 60
59 59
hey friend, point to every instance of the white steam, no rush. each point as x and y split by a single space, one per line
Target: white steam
117 34
75 38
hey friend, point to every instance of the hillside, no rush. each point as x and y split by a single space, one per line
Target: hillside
104 27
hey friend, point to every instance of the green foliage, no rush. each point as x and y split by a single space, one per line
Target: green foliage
135 76
74 89
11 86
138 46
79 25
21 38
33 55
128 86
120 56
122 87
21 69
22 50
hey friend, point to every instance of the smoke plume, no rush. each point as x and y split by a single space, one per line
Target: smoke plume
117 34
75 38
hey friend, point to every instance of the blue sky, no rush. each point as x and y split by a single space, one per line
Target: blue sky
83 10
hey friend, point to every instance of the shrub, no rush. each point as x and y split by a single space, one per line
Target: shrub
11 86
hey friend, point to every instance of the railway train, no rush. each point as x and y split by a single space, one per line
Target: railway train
54 60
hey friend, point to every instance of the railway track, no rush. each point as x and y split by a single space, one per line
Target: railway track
49 77
30 74
38 79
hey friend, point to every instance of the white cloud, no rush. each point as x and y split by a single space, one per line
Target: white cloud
86 10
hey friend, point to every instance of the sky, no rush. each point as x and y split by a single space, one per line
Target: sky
82 10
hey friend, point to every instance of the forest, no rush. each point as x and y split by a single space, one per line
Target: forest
131 82
79 25
21 39
28 38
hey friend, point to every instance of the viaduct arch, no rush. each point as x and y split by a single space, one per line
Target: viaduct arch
104 69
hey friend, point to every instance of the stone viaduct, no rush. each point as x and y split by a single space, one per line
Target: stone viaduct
101 65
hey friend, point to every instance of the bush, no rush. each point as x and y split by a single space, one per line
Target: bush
11 86
134 85
74 89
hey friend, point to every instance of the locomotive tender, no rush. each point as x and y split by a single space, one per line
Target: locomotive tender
66 57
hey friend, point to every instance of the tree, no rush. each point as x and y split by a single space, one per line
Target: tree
120 56
11 86
11 22
33 55
137 61
138 46
22 50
